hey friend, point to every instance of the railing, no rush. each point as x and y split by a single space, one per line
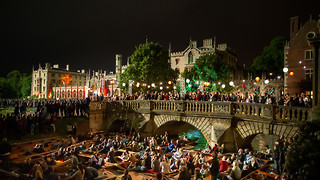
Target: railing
293 113
244 110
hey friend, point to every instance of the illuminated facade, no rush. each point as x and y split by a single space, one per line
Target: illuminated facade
186 59
299 57
54 82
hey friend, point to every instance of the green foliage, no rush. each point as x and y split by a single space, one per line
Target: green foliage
26 86
15 85
149 64
271 59
209 68
301 162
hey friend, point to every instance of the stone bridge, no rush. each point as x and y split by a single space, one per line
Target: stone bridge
230 123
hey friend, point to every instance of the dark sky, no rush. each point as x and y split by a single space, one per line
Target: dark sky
88 34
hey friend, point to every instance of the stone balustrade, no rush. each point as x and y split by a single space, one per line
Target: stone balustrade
242 110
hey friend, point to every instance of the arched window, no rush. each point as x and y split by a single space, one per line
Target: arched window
190 58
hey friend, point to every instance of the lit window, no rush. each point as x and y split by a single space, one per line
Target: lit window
309 74
308 54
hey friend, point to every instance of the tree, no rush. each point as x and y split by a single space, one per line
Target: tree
25 85
271 59
15 85
302 160
149 64
209 68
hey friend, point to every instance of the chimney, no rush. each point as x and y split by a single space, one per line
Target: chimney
67 67
294 26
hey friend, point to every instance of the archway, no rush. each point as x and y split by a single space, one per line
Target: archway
185 129
121 126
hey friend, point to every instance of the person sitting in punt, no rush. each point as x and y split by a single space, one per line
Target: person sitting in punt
125 155
38 148
253 164
27 166
110 156
165 166
79 174
171 147
223 164
204 170
136 166
155 164
178 155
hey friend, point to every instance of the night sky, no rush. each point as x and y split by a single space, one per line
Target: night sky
88 34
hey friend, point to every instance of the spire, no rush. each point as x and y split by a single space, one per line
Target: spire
169 46
214 42
190 42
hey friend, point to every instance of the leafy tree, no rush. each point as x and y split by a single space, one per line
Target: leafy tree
26 86
302 160
149 65
15 85
271 59
209 68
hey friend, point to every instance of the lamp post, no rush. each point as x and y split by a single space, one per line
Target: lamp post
112 82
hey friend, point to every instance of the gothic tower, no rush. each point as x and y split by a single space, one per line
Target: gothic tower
118 66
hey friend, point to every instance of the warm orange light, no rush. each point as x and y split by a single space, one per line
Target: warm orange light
149 86
50 94
66 78
112 82
291 73
257 78
169 82
138 85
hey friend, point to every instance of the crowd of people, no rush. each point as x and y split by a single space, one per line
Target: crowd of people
158 154
262 98
41 116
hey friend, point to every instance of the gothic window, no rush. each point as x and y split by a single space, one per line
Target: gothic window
190 58
177 61
308 54
309 74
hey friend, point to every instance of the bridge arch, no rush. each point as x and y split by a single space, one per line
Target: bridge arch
201 123
251 128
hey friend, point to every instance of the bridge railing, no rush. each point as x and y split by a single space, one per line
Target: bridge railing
253 110
207 107
288 113
245 110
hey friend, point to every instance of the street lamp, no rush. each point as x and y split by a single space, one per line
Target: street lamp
188 81
266 81
285 69
231 83
223 86
112 83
